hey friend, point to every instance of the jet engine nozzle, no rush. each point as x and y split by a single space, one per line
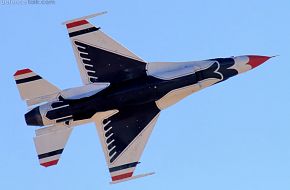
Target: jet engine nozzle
33 117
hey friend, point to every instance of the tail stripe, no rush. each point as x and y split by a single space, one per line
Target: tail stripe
84 31
122 176
29 79
23 71
76 23
49 154
122 167
50 163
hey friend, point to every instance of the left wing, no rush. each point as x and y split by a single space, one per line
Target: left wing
99 57
124 134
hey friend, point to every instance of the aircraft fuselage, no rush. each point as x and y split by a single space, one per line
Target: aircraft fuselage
163 88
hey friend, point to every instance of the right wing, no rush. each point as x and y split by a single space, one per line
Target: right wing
124 134
100 58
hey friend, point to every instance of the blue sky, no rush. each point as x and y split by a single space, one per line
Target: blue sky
234 135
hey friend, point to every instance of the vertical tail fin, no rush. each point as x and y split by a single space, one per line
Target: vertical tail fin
33 88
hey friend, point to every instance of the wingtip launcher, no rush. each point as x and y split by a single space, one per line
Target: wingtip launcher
131 178
84 18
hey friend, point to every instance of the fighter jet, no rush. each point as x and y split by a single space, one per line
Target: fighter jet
122 94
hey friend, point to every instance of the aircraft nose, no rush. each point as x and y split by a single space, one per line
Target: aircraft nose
33 117
256 60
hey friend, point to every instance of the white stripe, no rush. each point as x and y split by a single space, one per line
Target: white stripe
124 171
60 107
112 148
80 27
63 117
24 76
109 129
110 136
107 123
82 47
48 159
88 65
110 143
113 154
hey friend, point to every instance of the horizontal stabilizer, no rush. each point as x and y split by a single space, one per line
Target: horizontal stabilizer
33 88
50 142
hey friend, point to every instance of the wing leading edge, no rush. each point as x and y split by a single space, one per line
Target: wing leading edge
123 135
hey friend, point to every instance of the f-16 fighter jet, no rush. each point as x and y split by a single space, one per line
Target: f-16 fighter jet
122 94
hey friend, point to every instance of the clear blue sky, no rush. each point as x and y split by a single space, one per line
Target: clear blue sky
234 135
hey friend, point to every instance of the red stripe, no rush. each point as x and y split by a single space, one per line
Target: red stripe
23 71
50 163
256 60
122 176
76 23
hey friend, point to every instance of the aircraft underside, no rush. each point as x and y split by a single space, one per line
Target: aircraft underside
122 94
